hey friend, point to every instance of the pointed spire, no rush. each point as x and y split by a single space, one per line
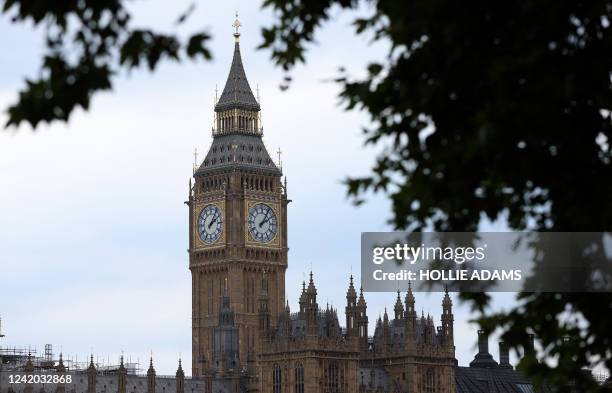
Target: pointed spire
151 376
351 294
180 378
91 376
311 286
409 297
179 371
151 370
237 93
60 367
447 303
361 302
399 307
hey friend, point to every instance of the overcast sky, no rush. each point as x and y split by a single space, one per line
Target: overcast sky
93 241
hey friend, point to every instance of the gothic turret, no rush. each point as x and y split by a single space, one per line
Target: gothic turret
92 373
284 322
352 313
398 308
312 308
362 322
447 319
121 377
151 377
411 315
303 300
180 378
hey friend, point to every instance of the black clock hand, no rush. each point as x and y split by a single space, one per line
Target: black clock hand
266 219
212 221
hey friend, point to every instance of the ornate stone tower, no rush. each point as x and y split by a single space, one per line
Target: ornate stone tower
237 222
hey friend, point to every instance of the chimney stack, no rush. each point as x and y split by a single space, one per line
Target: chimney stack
483 342
483 358
529 346
504 355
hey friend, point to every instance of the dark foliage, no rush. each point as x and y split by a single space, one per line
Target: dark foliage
87 43
488 109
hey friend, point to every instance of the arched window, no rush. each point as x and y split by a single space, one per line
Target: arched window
429 381
276 379
299 378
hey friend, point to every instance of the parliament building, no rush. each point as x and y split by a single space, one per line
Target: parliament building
245 338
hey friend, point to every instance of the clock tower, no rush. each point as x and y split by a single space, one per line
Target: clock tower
237 223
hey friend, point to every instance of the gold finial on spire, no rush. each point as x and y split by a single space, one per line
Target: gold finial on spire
236 25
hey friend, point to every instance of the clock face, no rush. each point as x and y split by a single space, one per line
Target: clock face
210 224
262 223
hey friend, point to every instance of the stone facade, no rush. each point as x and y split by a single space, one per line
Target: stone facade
406 354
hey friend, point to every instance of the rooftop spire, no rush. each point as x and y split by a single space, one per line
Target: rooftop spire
351 294
151 368
361 302
311 286
237 93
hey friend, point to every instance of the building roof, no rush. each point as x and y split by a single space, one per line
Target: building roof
238 149
493 380
229 151
237 93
